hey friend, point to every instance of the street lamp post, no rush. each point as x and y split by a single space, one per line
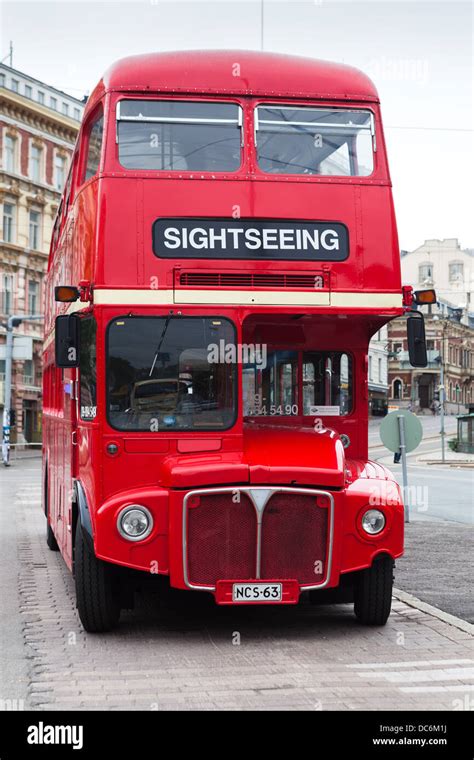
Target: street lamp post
12 322
439 360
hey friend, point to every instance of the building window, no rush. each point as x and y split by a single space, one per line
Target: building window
380 370
425 272
28 91
36 154
2 80
65 109
370 368
9 155
41 97
397 389
15 85
28 372
59 170
77 114
53 103
456 271
7 294
35 230
33 290
9 222
397 347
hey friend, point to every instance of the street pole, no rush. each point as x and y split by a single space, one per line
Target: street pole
441 398
8 394
12 322
403 452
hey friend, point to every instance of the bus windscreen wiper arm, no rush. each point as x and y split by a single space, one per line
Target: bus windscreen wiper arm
160 342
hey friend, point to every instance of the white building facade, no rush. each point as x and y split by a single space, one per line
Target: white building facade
378 373
445 266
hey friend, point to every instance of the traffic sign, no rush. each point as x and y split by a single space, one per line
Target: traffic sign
390 430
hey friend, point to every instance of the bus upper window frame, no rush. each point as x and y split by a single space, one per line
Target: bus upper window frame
96 115
239 122
324 107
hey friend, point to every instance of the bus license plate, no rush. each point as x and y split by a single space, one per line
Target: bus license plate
256 592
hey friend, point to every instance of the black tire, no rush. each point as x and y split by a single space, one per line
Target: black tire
373 592
50 537
97 588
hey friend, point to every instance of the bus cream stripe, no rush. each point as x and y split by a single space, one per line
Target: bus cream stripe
258 297
372 300
119 297
123 297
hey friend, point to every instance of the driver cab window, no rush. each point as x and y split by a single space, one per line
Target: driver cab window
327 383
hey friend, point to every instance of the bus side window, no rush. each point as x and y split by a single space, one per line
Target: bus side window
88 369
94 133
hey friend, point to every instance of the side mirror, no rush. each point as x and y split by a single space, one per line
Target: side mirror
66 340
416 341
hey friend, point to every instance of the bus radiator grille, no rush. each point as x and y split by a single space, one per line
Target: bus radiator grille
294 538
222 539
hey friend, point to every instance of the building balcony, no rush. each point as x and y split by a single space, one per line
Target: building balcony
403 361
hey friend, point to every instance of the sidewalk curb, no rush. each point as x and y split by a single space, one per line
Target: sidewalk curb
423 440
449 463
413 601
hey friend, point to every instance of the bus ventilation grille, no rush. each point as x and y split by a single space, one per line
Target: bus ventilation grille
279 281
222 539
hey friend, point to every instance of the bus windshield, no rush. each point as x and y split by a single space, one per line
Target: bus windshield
173 380
320 141
172 135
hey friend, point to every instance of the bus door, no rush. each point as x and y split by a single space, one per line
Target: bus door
84 413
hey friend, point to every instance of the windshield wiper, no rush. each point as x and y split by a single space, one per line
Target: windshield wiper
160 342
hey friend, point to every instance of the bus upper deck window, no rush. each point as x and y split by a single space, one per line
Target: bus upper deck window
94 146
325 142
172 135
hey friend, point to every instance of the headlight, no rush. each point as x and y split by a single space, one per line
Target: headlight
373 521
135 522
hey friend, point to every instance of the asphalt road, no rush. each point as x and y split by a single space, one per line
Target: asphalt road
435 492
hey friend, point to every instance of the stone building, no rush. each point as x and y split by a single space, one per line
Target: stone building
449 269
38 129
450 341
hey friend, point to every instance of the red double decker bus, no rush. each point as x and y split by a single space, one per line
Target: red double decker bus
224 250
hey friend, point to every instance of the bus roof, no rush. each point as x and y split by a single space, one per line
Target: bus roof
236 72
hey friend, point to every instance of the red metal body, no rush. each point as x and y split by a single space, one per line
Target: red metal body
103 242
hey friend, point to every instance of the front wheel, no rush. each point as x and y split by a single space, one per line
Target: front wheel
373 592
97 589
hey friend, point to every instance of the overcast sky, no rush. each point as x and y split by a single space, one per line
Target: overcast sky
419 55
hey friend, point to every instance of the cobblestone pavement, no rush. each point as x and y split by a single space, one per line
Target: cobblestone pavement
205 656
